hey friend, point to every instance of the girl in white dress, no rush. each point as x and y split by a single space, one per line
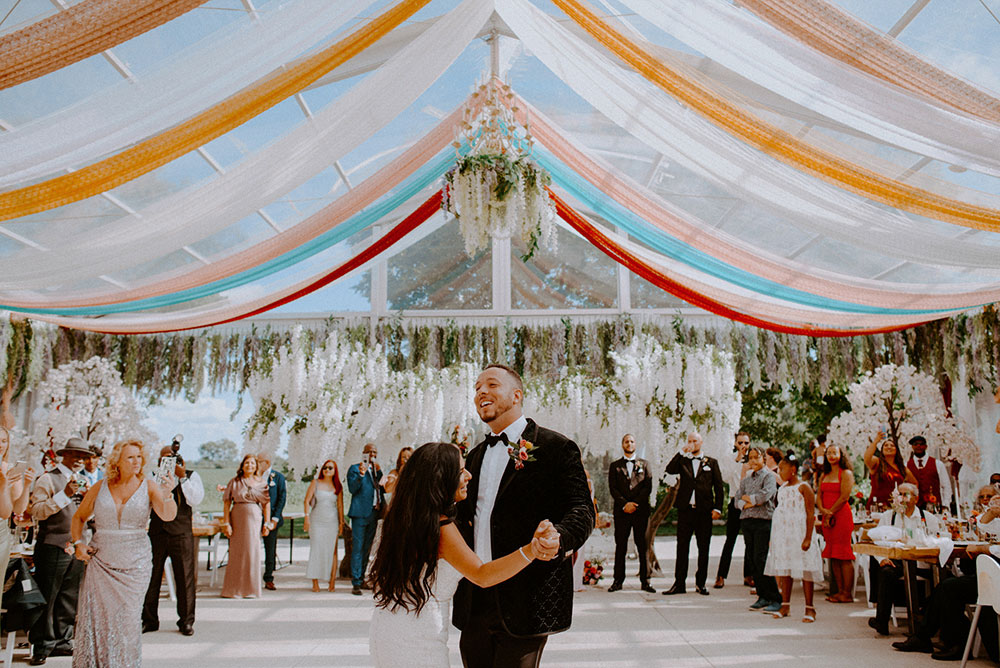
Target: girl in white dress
324 518
794 551
422 558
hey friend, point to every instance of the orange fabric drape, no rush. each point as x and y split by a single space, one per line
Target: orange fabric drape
203 128
838 34
78 32
775 141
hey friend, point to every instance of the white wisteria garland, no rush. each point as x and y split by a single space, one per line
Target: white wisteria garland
345 395
496 190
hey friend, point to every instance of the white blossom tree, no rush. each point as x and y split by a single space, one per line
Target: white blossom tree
906 403
88 400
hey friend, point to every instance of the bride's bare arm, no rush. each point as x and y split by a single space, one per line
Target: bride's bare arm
456 552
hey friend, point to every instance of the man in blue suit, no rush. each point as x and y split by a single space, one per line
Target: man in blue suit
367 498
276 490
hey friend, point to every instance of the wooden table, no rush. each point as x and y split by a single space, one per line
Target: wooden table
908 556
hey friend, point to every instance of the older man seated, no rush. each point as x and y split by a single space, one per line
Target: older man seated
945 609
891 572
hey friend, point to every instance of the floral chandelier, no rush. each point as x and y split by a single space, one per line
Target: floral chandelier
496 190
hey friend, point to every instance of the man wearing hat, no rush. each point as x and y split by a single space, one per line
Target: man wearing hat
54 500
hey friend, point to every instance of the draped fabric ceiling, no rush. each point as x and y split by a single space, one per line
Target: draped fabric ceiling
746 160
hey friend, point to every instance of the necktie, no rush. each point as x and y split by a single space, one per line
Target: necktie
493 439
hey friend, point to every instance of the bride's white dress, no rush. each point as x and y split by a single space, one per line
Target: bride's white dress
402 638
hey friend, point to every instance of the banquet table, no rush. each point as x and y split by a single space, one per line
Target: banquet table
909 556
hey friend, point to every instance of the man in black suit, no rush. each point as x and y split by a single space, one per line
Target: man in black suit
698 501
276 493
631 483
174 539
521 474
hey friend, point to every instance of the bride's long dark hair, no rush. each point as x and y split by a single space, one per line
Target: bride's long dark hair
406 563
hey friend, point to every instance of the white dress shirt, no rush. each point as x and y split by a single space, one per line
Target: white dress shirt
630 465
192 489
494 462
60 497
914 521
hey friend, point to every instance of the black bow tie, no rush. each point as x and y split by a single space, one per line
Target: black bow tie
698 457
492 439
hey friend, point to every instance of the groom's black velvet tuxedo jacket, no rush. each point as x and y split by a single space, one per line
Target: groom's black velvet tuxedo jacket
538 600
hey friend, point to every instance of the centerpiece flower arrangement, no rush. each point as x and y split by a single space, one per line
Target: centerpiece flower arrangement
496 190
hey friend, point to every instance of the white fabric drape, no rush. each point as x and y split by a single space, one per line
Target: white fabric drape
205 73
766 56
661 122
260 179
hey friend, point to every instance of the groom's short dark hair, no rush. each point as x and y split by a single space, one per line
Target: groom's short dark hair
515 375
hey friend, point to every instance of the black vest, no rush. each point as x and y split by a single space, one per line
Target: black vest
55 529
178 526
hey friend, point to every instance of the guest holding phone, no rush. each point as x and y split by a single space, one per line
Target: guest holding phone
367 500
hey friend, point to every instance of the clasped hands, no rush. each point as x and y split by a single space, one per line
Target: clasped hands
545 542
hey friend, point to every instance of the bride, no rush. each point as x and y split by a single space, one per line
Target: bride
422 558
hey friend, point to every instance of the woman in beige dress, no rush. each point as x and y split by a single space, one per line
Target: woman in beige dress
246 511
15 488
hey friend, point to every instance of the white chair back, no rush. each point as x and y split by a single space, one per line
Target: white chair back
988 581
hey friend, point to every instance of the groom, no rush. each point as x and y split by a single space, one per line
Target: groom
510 493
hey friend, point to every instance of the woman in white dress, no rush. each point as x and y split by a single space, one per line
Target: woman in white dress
794 551
15 488
423 557
324 517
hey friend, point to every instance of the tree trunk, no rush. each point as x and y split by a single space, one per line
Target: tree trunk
655 520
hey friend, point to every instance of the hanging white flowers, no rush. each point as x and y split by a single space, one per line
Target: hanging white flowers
496 190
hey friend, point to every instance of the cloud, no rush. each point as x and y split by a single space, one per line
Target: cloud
207 419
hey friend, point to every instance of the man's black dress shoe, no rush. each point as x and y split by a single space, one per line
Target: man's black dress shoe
615 586
187 630
701 590
949 653
648 588
356 591
149 628
37 660
676 589
881 629
914 644
61 651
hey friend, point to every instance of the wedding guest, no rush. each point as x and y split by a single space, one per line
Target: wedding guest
246 516
887 470
92 468
890 572
276 492
174 539
794 551
757 495
631 483
367 500
390 480
54 500
324 507
931 475
773 457
15 485
119 559
699 502
944 611
733 518
817 458
836 483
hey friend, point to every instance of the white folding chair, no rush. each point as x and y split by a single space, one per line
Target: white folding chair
988 581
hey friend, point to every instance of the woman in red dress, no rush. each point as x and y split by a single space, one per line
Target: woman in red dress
835 485
887 471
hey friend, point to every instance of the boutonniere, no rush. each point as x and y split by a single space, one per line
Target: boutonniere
521 453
